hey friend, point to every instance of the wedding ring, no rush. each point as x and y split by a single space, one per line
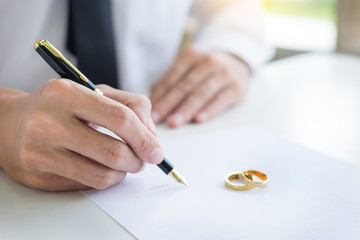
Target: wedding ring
237 176
245 176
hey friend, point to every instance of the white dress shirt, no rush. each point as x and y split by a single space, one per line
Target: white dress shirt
148 36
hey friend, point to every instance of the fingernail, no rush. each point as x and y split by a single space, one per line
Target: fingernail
155 117
202 117
156 156
177 119
151 125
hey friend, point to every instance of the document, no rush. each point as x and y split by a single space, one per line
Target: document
310 196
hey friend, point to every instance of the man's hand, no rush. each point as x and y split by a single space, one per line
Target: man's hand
47 143
198 87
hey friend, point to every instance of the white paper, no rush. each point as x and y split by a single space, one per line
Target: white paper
310 196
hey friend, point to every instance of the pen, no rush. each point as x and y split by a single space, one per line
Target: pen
67 70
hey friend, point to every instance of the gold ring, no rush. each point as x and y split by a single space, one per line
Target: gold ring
237 176
245 177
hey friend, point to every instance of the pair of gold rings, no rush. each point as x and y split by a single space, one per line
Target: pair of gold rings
247 178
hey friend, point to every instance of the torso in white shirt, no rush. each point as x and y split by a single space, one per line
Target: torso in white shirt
148 35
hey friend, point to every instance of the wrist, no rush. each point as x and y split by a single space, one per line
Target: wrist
9 111
9 96
8 100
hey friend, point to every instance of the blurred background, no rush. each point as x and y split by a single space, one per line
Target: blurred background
298 26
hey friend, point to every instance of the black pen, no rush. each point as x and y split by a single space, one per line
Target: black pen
66 70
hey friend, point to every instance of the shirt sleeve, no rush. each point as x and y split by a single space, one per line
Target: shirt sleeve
234 26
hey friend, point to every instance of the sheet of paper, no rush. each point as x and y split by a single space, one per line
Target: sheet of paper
310 196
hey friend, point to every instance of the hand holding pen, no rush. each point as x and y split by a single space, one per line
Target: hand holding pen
50 146
66 70
54 149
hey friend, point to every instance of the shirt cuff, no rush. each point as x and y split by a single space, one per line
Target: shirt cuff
254 51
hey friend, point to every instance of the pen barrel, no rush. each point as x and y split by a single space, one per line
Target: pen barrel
166 166
62 68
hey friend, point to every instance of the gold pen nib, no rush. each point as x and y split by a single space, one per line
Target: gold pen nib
178 177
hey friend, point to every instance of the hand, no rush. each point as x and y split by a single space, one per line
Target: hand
46 143
198 87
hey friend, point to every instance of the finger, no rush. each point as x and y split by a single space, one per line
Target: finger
80 169
140 104
182 65
51 182
226 98
206 91
118 118
203 70
102 148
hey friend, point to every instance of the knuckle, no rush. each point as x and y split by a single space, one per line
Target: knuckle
210 60
142 101
35 181
55 88
103 180
123 117
144 143
31 180
113 154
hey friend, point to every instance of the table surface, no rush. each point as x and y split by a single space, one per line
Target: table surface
310 99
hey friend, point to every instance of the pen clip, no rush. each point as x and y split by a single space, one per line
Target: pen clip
58 54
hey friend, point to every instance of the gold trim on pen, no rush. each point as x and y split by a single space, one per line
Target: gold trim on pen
58 54
82 77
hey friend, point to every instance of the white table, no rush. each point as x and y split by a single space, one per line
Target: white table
311 99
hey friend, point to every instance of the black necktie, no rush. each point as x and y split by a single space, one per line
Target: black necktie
91 39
